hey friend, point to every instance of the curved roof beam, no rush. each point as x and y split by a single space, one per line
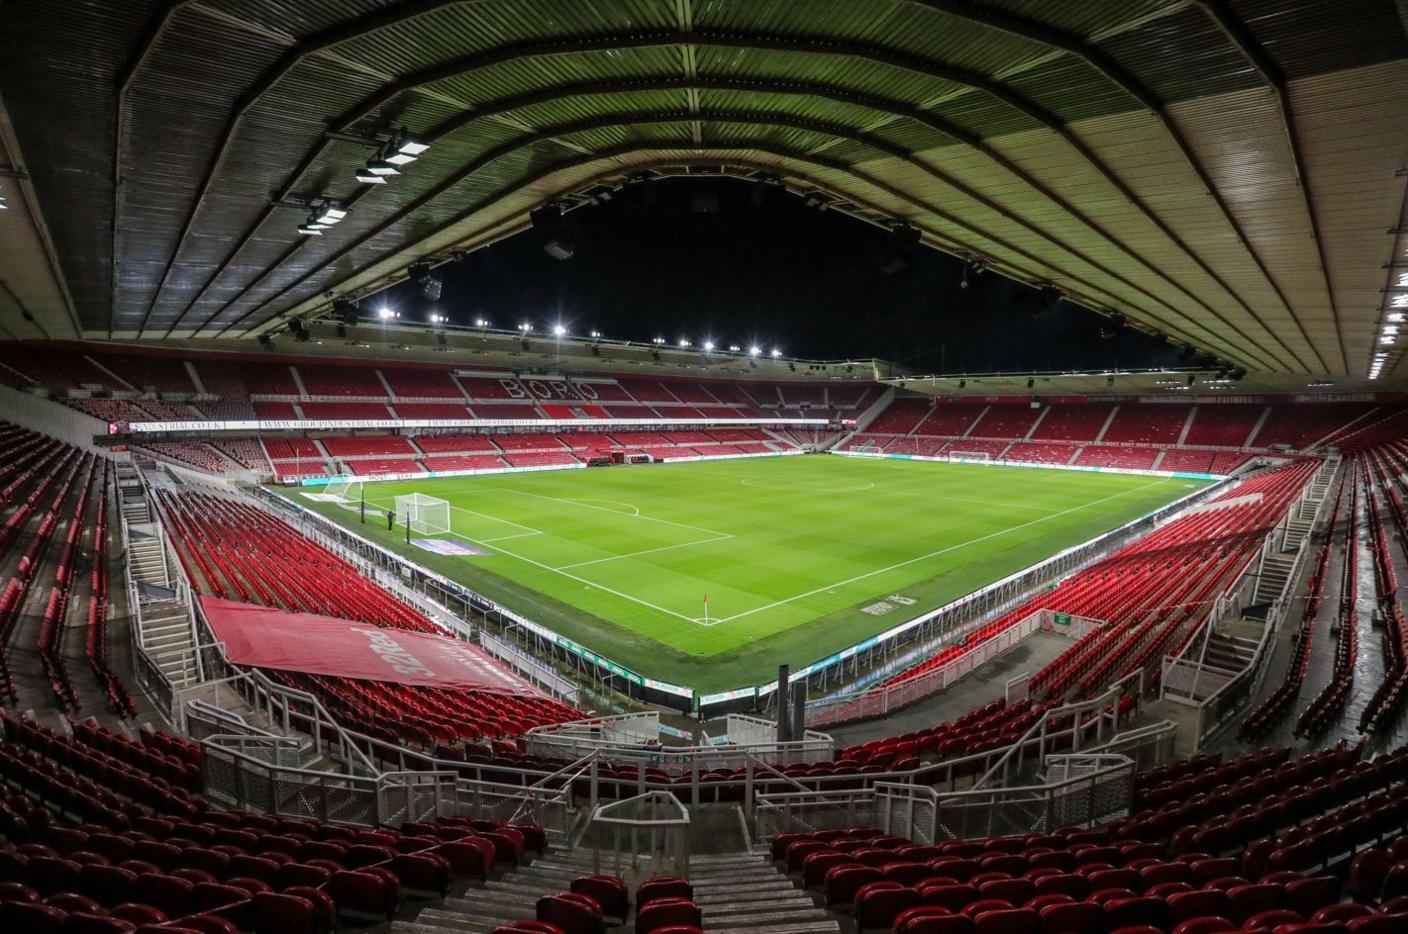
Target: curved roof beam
805 45
1234 350
1076 45
1237 33
831 92
836 131
358 28
1014 270
150 37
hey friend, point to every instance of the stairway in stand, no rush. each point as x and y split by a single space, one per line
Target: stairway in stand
744 893
736 893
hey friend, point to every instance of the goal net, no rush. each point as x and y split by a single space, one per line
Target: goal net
962 457
868 448
346 491
424 514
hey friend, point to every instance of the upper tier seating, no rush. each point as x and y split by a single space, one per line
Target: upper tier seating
162 373
340 381
1228 425
900 417
56 368
1072 422
1300 426
421 384
268 379
1147 423
1004 421
947 420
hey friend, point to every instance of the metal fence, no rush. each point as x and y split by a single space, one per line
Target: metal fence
635 738
1096 788
649 831
879 701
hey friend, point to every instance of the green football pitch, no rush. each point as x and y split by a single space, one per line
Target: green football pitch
798 556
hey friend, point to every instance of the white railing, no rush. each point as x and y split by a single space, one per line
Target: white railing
1089 789
879 701
635 738
645 831
1218 695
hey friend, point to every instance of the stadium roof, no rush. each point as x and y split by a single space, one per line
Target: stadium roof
1227 172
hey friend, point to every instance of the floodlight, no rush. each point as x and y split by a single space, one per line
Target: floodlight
310 230
330 214
559 330
708 345
684 342
734 348
408 144
481 322
755 350
385 313
368 177
596 335
525 327
425 282
382 167
776 352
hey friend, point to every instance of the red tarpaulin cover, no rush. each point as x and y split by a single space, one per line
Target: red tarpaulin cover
265 637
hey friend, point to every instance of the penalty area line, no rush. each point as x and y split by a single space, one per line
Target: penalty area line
935 554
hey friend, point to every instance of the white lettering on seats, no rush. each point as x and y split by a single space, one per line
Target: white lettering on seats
394 654
512 387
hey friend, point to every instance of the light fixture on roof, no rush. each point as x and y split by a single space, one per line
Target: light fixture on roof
481 322
734 348
384 313
405 147
754 350
381 167
776 352
684 342
903 239
368 177
559 330
596 335
1396 316
557 238
311 229
525 327
708 346
425 282
658 341
329 214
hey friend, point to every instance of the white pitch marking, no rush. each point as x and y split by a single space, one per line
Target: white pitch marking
935 554
580 580
586 505
647 551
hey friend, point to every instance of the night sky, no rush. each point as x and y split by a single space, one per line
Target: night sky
649 263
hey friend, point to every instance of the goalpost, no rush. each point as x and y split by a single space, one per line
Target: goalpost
968 457
423 514
345 490
868 448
